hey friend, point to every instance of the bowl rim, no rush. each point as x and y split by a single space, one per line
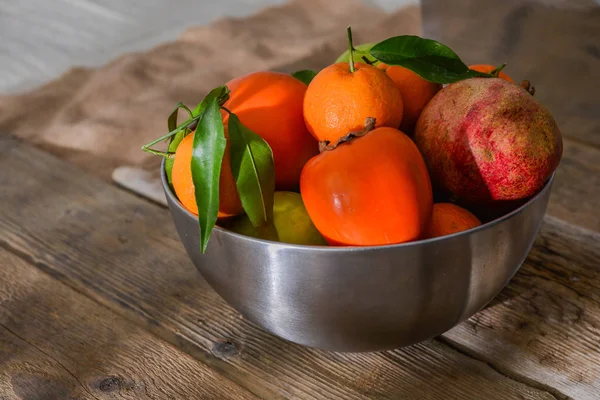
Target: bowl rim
347 248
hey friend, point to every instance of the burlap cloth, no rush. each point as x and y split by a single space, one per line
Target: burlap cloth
99 118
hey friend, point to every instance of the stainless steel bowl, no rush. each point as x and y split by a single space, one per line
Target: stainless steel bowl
363 298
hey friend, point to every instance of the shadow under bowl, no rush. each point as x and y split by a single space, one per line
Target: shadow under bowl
357 299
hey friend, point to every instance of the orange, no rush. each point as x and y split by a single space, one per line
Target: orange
270 104
229 199
338 101
373 190
489 68
416 93
448 218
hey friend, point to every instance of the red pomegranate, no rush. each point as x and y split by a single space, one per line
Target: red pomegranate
486 139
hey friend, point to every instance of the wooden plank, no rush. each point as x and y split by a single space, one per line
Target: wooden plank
553 43
124 253
57 344
545 326
576 189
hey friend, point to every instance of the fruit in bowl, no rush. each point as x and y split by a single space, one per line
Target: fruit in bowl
355 201
369 205
291 223
486 139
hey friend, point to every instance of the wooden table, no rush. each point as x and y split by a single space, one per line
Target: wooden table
98 299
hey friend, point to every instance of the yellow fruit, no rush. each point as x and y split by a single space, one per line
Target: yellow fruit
291 223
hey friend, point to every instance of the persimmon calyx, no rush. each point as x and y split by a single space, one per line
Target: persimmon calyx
326 145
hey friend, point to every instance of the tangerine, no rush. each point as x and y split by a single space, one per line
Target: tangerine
271 104
448 218
416 93
372 190
229 199
338 101
486 68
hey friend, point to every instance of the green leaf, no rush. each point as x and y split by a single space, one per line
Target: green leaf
207 155
175 139
496 71
426 57
306 75
221 93
360 51
172 120
253 169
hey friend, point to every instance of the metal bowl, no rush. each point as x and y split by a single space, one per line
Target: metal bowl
357 299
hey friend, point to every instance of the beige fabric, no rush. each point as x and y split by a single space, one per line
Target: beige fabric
99 118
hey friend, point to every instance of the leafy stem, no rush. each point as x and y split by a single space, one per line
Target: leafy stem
496 71
367 61
148 147
165 154
222 95
350 50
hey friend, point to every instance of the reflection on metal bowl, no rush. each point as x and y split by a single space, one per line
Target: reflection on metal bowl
363 298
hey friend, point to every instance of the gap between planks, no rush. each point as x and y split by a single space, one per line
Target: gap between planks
503 371
46 327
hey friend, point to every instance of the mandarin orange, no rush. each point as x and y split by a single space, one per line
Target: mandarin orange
416 93
448 218
229 199
338 101
486 68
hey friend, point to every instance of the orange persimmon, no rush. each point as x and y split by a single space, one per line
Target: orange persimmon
371 190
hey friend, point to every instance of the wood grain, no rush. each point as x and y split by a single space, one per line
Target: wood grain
576 189
57 344
123 252
545 326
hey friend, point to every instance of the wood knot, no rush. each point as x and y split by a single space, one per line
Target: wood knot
224 348
109 384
